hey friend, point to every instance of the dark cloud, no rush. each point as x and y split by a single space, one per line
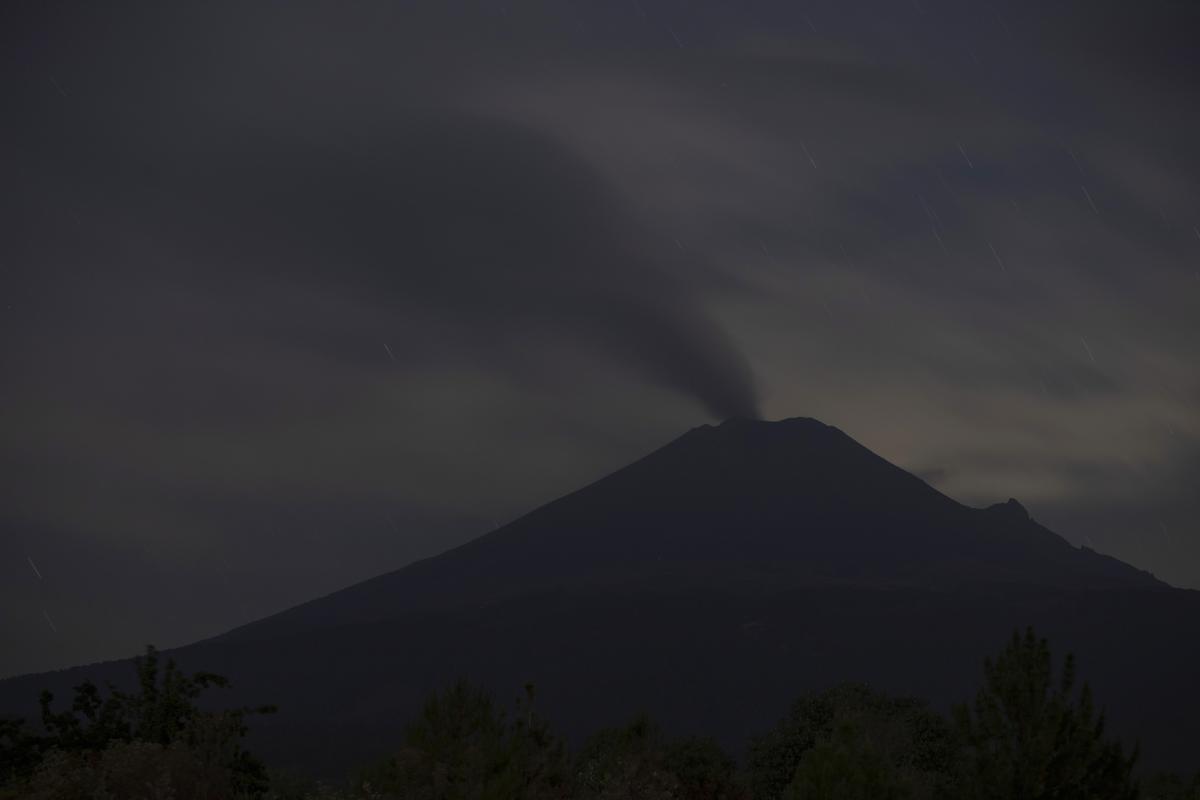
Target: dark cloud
309 291
491 226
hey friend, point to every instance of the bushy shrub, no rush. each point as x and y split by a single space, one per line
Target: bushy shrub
914 743
462 747
847 766
638 762
130 771
1168 786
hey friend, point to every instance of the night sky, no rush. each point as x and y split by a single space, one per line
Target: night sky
295 293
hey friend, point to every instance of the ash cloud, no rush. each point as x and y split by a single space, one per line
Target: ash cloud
486 223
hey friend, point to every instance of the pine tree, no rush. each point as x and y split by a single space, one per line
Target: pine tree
1028 736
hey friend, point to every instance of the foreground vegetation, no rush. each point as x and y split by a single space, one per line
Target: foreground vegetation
1028 735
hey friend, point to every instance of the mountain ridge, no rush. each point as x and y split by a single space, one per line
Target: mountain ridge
734 472
744 563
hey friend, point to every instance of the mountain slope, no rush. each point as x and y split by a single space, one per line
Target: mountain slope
709 583
787 503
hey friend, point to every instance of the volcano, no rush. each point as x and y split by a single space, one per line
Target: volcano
709 583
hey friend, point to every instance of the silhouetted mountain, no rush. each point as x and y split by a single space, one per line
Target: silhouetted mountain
709 583
745 503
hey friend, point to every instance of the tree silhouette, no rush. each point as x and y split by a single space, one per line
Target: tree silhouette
1027 736
462 747
162 713
1169 786
914 742
20 750
846 766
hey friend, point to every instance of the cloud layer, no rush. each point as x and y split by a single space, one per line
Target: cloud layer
296 294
